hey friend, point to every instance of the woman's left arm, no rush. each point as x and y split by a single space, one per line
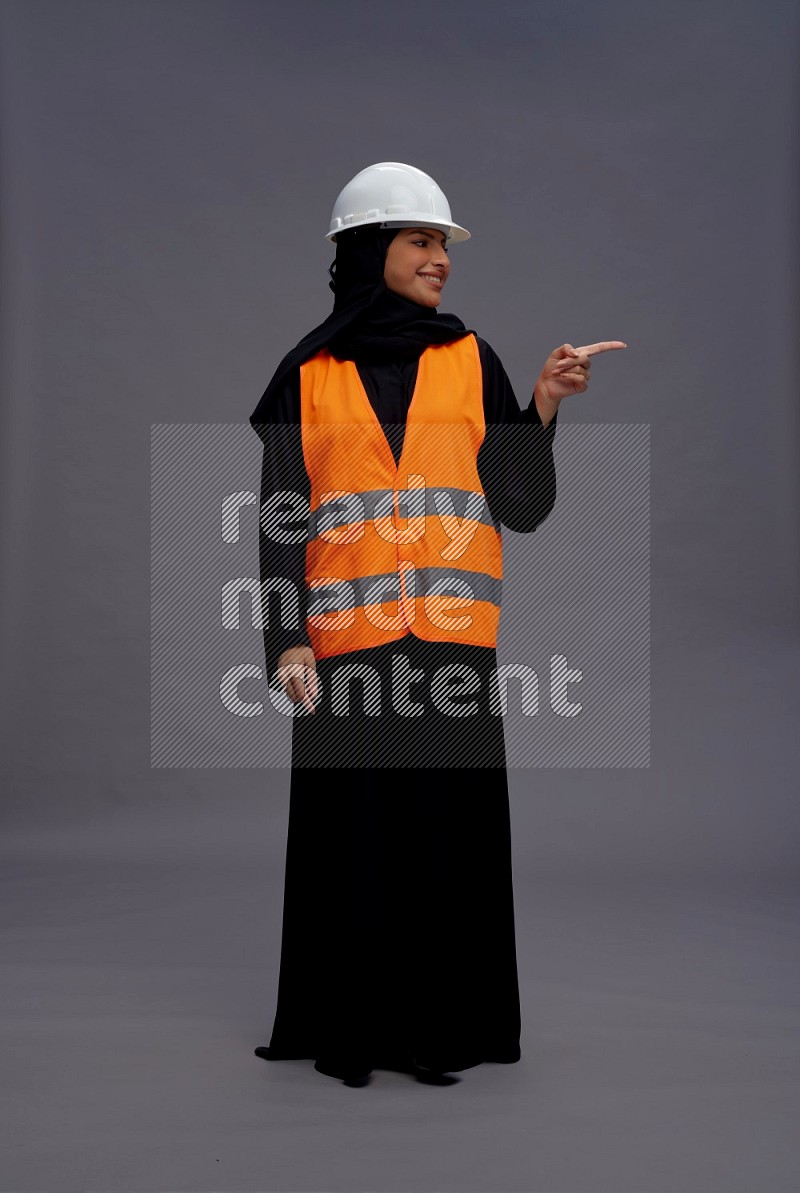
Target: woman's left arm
515 460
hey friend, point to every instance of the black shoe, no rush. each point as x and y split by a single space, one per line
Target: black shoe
263 1052
406 1064
359 1081
434 1076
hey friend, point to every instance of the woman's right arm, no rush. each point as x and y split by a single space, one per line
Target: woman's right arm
285 488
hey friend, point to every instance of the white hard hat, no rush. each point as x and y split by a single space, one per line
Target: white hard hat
393 195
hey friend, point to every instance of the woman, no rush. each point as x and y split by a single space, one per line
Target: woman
397 430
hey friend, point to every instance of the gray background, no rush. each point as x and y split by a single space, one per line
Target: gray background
628 171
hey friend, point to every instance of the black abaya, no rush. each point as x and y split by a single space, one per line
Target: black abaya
398 943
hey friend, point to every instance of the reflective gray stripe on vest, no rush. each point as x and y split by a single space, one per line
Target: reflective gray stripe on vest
352 508
339 595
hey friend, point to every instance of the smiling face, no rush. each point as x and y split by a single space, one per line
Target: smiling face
417 265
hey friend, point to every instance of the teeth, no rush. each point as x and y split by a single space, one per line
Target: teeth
431 278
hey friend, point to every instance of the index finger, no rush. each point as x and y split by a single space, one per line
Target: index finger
309 686
603 346
299 688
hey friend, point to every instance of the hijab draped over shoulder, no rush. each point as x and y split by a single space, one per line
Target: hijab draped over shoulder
369 322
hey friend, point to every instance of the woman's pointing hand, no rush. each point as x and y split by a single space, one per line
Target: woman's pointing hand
566 371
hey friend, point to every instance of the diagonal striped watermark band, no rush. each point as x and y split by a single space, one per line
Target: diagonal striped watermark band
569 685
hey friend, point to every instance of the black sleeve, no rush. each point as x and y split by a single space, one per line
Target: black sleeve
285 489
515 460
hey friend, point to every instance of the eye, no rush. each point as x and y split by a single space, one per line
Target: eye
425 241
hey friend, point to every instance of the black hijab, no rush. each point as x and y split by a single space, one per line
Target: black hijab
369 322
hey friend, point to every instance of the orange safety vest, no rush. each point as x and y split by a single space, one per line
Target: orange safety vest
402 548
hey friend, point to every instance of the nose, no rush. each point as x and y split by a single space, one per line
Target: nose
440 258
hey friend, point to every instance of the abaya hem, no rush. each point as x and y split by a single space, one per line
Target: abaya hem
402 1062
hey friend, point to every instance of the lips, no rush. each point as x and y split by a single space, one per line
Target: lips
435 279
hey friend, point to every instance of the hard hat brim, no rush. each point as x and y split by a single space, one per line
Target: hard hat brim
454 232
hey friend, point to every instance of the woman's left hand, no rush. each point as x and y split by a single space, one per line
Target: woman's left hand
566 371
